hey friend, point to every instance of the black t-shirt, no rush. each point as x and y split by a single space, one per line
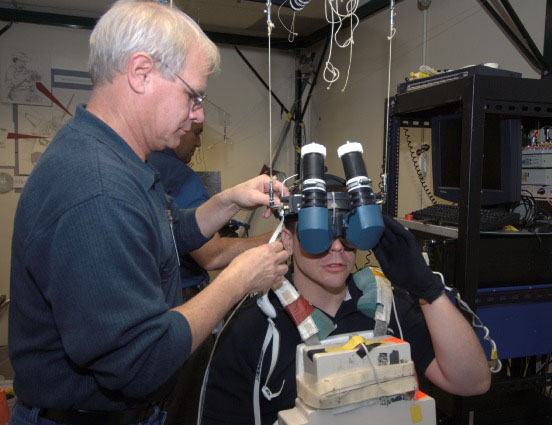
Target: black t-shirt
229 394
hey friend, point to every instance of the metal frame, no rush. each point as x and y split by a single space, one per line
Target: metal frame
540 61
535 295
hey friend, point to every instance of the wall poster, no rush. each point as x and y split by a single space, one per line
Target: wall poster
34 126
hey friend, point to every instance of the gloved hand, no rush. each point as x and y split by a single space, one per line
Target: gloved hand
403 264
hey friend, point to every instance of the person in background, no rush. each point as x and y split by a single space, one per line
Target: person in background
97 331
444 346
183 184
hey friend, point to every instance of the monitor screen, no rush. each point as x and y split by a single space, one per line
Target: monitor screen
501 173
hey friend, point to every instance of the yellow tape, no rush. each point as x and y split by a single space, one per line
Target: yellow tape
354 342
377 272
416 414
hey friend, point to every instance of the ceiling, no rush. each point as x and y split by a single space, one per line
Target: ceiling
232 21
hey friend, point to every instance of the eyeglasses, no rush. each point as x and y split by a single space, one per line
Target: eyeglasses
195 96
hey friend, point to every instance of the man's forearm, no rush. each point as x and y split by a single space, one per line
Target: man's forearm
218 252
215 213
254 270
206 309
461 366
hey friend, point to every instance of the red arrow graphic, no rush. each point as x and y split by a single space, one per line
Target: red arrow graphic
42 88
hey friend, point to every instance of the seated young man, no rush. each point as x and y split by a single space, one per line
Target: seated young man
444 346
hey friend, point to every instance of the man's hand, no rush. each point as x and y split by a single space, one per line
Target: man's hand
252 271
255 193
403 264
259 268
214 213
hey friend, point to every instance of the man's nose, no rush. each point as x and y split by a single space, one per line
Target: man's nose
337 245
197 114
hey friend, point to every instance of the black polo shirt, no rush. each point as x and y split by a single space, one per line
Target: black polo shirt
229 395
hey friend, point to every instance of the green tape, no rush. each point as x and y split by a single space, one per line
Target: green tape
364 279
324 324
367 304
366 282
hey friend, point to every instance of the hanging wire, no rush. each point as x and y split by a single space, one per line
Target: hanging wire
226 119
392 32
291 31
270 26
338 18
329 67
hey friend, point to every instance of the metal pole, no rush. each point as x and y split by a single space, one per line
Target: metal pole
502 24
521 28
261 79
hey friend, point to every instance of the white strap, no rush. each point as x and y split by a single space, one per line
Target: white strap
269 395
271 334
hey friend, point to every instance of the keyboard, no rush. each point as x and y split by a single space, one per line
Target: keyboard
447 215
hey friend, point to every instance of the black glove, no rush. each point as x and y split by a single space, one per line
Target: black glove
403 264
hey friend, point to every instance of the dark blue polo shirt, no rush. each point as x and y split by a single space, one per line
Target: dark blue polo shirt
94 275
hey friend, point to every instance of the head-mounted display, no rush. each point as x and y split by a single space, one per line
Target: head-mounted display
324 214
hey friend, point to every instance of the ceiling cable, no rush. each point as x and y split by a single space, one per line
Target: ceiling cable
291 31
331 73
392 32
270 26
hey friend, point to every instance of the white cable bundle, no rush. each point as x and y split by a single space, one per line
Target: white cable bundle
337 17
476 323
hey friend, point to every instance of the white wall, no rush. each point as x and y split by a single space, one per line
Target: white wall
235 89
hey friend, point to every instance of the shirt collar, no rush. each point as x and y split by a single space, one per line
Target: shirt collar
88 123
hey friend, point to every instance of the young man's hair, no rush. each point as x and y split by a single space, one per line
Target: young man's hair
290 222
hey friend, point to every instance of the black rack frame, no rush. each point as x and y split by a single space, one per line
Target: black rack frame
476 96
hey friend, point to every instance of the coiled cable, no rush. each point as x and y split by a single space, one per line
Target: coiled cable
417 167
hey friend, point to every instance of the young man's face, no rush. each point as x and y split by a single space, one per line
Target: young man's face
328 270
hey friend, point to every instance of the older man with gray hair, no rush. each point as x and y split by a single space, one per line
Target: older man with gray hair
97 330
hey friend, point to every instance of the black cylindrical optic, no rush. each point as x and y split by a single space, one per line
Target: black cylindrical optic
359 185
312 166
353 164
312 228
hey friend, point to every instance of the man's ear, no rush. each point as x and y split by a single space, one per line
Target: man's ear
287 240
140 67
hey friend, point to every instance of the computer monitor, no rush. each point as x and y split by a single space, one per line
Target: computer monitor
501 174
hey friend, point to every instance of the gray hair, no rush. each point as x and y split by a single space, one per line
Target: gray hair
167 34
